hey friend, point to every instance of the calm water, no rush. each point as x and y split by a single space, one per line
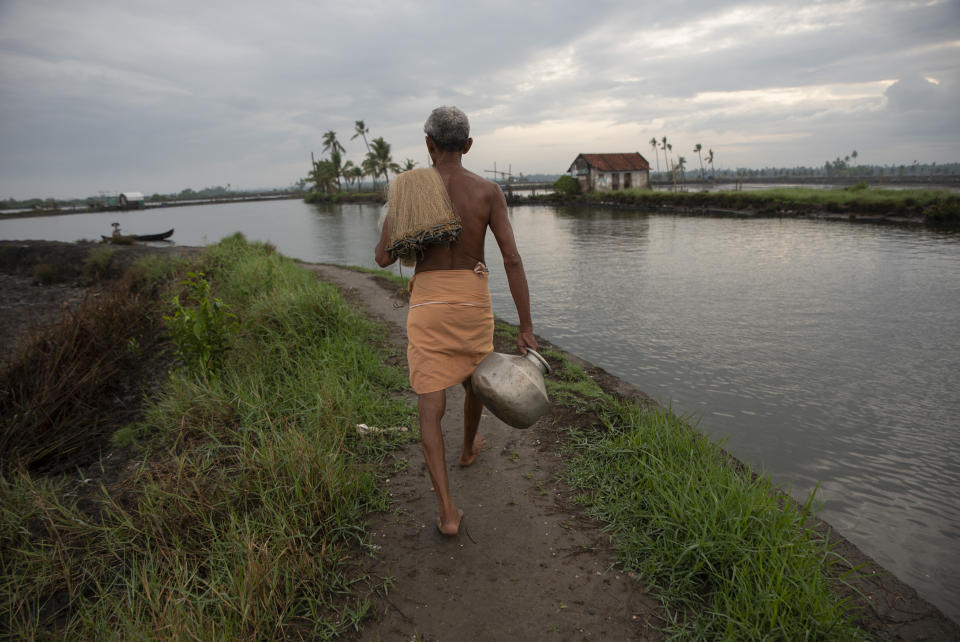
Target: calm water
819 352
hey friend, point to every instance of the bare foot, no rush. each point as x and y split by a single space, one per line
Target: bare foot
450 528
467 457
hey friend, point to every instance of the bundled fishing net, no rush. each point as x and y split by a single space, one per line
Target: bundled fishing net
420 214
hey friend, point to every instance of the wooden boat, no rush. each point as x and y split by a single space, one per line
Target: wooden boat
163 236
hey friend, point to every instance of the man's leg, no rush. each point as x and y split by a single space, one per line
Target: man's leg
472 442
431 407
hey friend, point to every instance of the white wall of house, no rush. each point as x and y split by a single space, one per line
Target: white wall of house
604 181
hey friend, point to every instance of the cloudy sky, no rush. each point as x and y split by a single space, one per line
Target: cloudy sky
157 96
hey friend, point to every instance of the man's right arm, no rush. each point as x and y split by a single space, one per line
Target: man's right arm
513 266
381 255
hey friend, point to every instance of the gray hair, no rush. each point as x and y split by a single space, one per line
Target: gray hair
449 128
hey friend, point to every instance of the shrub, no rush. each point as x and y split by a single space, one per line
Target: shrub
45 274
201 332
97 264
567 186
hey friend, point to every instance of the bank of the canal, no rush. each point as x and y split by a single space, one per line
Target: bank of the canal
538 563
858 203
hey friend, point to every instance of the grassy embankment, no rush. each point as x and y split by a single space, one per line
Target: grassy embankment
934 207
241 516
725 556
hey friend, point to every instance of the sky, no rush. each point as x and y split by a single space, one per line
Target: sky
158 96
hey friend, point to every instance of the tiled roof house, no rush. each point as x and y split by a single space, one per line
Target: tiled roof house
608 172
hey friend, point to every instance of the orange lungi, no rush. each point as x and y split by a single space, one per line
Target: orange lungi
449 327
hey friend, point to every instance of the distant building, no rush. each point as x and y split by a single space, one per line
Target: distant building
131 200
610 172
121 201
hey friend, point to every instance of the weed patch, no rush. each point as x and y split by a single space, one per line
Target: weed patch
244 518
726 557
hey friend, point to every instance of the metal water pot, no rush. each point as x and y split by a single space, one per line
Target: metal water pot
512 388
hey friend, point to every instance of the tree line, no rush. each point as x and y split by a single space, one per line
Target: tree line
676 170
329 174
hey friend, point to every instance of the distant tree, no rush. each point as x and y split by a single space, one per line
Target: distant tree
408 164
347 172
323 176
369 168
653 144
671 165
337 161
331 144
697 149
710 161
663 146
356 173
361 130
382 161
682 165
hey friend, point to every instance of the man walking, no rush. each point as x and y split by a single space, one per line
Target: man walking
450 321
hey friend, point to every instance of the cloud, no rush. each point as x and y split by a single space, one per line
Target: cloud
177 94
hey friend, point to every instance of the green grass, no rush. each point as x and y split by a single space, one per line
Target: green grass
244 517
97 263
727 556
402 281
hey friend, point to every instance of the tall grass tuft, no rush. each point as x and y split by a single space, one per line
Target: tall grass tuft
245 517
61 394
727 556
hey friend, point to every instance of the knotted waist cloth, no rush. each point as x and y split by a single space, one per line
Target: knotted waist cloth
449 327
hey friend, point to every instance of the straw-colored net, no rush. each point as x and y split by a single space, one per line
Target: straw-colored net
420 214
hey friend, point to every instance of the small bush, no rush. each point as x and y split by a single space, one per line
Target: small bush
97 264
201 332
567 186
45 274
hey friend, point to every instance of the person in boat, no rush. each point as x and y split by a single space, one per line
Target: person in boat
116 230
450 319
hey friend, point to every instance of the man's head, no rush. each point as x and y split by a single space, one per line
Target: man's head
448 128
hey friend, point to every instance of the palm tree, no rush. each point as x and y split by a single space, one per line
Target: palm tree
710 161
337 161
697 149
369 168
361 130
356 173
382 161
663 146
653 143
322 176
331 144
681 165
408 164
347 172
670 164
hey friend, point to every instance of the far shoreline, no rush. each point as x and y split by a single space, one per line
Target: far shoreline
929 207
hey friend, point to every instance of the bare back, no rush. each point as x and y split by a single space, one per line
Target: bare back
478 202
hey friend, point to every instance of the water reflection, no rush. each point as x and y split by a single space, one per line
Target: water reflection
820 352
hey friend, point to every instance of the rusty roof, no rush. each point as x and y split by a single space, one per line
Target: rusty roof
628 162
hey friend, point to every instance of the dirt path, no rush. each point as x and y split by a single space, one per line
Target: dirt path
523 568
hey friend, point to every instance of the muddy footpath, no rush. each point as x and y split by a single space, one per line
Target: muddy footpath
527 564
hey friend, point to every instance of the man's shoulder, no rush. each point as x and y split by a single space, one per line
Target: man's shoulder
479 182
